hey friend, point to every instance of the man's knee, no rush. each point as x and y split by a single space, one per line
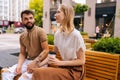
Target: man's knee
6 75
5 72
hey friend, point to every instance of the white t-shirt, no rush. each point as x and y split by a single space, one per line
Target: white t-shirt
97 29
68 45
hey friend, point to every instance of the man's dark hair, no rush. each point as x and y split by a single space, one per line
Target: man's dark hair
27 12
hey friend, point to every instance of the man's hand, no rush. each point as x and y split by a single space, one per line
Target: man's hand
31 66
18 70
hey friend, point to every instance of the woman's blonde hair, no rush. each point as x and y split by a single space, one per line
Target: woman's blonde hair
67 23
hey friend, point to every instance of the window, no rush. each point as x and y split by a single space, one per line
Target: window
5 18
105 1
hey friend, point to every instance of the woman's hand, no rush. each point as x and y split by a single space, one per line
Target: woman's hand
54 61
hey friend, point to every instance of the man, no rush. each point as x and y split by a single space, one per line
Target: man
33 48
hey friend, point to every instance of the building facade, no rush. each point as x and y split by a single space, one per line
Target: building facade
10 11
4 12
103 14
50 7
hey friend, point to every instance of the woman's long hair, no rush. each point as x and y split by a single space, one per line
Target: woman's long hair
67 23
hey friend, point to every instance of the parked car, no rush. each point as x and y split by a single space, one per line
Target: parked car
19 30
3 31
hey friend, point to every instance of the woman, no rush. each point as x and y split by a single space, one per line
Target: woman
70 44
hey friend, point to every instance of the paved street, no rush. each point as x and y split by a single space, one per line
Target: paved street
9 44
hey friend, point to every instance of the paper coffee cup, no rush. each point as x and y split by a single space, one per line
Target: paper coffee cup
52 54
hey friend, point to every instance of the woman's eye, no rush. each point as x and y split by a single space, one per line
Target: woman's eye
58 11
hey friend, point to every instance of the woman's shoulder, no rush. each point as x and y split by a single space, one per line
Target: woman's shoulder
57 32
76 33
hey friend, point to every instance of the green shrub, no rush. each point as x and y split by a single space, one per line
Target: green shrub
50 39
84 33
110 45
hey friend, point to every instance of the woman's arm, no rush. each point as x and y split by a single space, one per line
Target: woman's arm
79 61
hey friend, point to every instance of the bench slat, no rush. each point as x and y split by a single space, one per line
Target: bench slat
92 76
101 68
102 73
101 58
102 54
101 63
108 66
89 78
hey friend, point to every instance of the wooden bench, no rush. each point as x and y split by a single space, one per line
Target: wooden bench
99 66
88 45
102 66
91 41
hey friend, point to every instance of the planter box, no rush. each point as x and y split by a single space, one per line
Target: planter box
85 36
102 66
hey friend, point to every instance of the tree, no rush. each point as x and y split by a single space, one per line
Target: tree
37 7
80 9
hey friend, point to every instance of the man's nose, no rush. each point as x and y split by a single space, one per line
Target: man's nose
29 20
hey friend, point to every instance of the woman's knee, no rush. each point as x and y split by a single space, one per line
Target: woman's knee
38 70
25 76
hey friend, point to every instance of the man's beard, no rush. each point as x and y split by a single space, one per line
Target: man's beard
29 27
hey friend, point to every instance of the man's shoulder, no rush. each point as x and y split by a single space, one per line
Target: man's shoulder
40 30
23 34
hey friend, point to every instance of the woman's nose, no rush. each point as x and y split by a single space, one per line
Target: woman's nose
55 16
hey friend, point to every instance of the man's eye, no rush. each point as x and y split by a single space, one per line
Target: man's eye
25 19
31 17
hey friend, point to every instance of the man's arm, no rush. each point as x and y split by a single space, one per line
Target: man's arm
21 59
40 58
44 53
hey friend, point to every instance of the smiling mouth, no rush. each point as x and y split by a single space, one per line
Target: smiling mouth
29 24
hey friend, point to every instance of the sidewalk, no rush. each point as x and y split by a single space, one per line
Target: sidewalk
9 44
